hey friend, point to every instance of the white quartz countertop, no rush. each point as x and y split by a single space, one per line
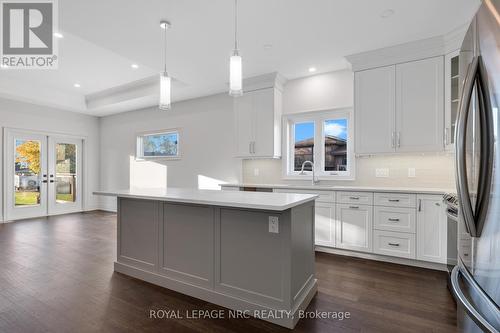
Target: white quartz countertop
421 190
252 200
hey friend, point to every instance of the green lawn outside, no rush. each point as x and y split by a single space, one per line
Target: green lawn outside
30 198
26 198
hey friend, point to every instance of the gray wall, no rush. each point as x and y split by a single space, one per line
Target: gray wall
206 146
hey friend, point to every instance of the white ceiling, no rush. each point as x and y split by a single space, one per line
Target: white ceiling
103 38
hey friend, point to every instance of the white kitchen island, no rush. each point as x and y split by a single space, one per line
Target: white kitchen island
250 252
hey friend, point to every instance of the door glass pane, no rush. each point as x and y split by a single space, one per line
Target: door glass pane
335 144
27 176
65 172
303 145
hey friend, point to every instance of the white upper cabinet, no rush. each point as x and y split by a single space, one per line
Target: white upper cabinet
420 105
375 110
258 122
451 97
399 98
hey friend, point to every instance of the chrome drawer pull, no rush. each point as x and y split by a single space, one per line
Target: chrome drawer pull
354 198
393 244
393 200
354 207
393 220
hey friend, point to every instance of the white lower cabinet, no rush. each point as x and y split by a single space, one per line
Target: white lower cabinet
397 244
431 229
324 224
354 227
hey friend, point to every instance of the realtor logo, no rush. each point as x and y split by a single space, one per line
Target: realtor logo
28 34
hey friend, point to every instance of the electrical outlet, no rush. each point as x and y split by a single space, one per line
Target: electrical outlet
411 173
274 224
382 172
256 171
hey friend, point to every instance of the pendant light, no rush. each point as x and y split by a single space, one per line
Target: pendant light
165 80
235 68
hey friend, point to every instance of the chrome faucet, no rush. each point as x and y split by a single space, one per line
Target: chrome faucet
302 172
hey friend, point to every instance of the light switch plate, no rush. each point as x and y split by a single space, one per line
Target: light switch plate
382 172
411 173
274 224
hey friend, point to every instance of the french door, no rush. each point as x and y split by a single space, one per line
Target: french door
42 174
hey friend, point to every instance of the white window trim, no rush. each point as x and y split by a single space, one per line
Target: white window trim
139 153
318 117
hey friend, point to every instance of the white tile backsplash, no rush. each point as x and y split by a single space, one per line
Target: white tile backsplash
432 170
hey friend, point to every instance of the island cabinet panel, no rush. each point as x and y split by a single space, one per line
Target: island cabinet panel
138 233
245 243
187 243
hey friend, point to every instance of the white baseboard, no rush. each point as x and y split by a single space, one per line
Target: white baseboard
378 257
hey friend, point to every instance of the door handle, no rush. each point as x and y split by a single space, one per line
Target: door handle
469 308
475 73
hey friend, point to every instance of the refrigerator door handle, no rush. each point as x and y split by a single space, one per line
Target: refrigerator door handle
487 147
460 147
464 301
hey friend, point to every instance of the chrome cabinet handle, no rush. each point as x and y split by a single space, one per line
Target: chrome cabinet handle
354 198
419 205
399 139
393 144
393 200
393 220
445 139
393 244
354 207
250 147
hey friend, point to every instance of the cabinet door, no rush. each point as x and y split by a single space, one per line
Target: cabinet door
431 229
244 125
324 224
420 105
451 97
354 227
263 105
374 110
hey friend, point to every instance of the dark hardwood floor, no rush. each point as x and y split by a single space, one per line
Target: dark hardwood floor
56 275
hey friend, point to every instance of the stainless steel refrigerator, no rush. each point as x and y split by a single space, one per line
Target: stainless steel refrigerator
476 279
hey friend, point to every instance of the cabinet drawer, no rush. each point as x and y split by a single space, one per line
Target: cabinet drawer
362 198
396 200
324 196
394 219
396 244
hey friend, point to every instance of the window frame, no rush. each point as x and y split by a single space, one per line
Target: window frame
319 118
139 154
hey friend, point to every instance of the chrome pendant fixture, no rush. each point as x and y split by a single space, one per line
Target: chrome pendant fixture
165 80
235 66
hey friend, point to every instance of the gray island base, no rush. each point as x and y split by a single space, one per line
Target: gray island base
253 254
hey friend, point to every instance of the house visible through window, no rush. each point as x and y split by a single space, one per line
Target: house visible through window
158 145
323 138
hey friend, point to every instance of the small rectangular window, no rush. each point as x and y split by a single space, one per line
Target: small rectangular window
336 134
303 145
164 144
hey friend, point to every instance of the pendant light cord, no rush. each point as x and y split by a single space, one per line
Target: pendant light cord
235 25
165 50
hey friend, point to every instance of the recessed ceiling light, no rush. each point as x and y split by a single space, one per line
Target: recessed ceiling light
58 35
134 66
165 25
386 13
312 69
77 85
